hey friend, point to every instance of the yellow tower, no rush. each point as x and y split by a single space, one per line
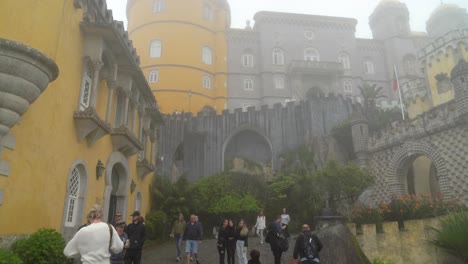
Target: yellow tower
183 50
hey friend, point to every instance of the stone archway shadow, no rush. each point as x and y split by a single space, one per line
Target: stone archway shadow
410 151
240 129
118 161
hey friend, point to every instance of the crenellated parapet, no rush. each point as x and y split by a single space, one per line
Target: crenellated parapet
450 40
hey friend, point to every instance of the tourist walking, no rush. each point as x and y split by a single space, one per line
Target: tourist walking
230 242
136 232
117 218
242 235
260 226
285 219
254 257
307 247
192 238
119 257
178 229
274 231
221 244
95 241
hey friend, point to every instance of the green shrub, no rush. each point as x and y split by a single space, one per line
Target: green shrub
381 261
43 247
156 225
8 257
453 235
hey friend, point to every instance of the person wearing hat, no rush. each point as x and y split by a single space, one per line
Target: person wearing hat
136 232
119 258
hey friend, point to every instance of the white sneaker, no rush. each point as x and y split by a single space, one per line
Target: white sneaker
177 259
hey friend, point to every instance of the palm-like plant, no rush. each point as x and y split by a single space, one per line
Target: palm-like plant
370 94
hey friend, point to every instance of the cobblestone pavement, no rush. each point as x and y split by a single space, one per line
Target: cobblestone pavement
165 253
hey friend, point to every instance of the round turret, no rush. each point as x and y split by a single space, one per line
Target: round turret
389 19
445 18
459 77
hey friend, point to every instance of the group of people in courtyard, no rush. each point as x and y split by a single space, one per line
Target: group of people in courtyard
233 240
100 242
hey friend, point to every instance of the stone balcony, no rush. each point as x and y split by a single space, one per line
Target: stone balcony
144 167
125 141
315 67
89 125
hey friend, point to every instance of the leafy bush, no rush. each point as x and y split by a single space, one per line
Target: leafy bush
43 247
8 257
453 235
381 261
156 225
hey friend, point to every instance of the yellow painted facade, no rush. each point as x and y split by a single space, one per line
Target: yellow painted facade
184 28
47 148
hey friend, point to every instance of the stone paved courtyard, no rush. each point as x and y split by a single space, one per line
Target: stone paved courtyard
165 253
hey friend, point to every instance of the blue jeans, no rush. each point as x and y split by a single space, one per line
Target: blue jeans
178 239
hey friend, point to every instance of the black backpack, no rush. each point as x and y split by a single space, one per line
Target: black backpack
283 242
310 248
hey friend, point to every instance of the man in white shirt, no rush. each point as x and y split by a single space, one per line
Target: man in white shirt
93 242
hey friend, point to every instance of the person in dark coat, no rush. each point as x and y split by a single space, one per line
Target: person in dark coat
231 241
254 257
136 232
298 255
274 229
192 238
221 244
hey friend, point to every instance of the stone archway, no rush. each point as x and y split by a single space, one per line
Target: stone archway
248 143
406 154
117 186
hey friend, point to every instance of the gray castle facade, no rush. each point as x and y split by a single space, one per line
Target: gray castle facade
288 57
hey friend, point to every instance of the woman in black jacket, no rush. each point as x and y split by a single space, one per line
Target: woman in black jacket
221 244
230 241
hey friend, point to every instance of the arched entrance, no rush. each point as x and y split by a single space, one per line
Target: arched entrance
249 145
420 176
117 186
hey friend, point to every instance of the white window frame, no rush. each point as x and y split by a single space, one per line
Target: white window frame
207 55
311 54
206 82
247 60
345 61
86 87
278 56
348 86
248 84
155 48
208 12
369 67
279 81
73 195
158 6
153 76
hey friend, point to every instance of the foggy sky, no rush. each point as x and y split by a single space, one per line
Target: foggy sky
242 10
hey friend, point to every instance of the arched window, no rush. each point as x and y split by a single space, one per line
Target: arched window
120 110
155 48
279 81
153 76
138 202
73 198
311 54
207 55
158 6
369 67
206 82
410 64
247 59
207 12
278 56
248 84
348 87
343 58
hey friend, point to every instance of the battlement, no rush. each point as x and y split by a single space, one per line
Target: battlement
435 120
450 39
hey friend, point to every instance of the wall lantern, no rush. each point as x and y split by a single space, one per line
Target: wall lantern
99 169
132 186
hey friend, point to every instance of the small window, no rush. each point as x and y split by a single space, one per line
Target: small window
248 85
73 193
279 81
311 54
207 55
348 87
247 60
344 60
369 67
86 85
206 82
153 76
155 49
207 12
309 34
158 6
278 56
